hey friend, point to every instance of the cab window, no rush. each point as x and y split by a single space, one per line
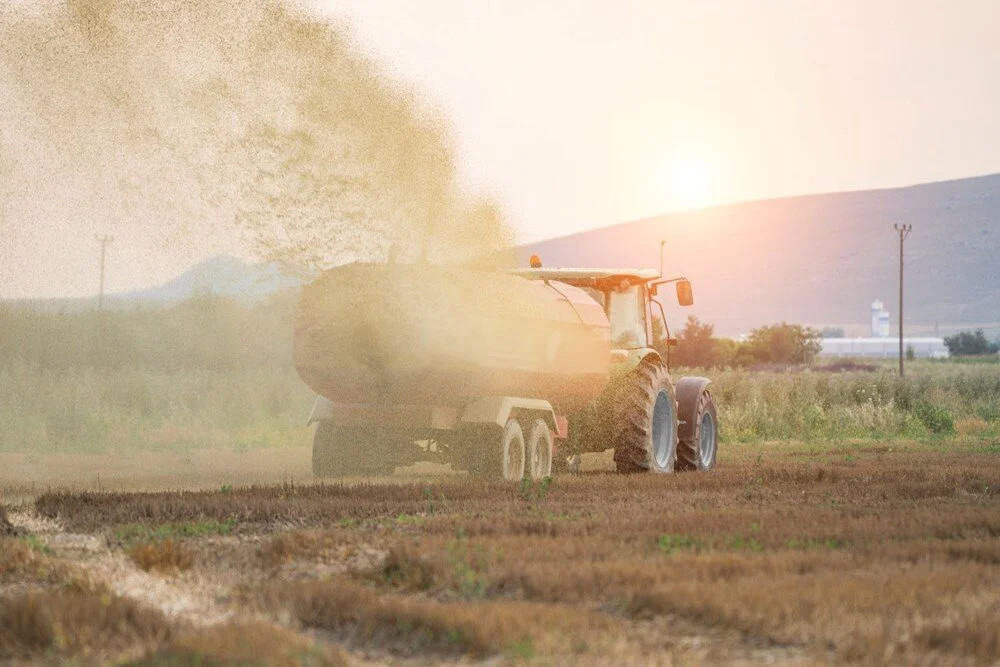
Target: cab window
628 318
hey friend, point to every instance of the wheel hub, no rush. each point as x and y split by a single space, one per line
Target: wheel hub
708 440
662 429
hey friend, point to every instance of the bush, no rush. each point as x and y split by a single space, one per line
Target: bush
696 346
783 344
775 344
935 418
167 556
967 343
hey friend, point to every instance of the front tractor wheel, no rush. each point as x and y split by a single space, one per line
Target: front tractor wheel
646 414
697 449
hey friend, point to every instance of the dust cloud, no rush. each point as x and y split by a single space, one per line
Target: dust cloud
203 120
190 122
361 338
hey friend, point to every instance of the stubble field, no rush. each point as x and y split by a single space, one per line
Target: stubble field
792 552
853 516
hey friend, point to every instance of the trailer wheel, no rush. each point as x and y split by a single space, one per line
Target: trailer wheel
343 452
512 452
646 414
539 463
495 454
698 449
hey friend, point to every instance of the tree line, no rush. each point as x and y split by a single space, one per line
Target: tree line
775 344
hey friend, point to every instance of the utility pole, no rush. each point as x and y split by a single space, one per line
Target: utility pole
903 231
104 241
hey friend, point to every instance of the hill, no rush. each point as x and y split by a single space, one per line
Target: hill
219 276
819 259
815 259
222 276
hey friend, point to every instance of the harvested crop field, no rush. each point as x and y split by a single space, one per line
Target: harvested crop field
790 552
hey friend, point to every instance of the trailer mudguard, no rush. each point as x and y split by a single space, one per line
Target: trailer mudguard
499 409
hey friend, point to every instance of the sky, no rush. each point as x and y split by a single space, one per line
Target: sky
576 115
580 114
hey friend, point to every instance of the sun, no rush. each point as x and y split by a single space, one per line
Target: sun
689 182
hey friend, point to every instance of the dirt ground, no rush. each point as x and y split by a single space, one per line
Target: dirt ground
787 552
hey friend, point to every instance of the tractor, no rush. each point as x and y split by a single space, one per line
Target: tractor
506 412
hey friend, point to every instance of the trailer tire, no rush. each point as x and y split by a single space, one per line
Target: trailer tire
646 421
538 464
698 449
344 452
496 454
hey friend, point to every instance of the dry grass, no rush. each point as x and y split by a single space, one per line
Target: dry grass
859 553
246 644
18 560
51 608
418 625
971 426
168 556
22 562
321 504
75 623
6 529
792 553
300 544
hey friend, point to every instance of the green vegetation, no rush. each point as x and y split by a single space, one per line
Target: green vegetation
136 532
971 343
933 399
673 543
216 373
210 372
780 344
208 333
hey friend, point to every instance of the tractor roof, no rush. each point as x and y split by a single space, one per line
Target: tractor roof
592 276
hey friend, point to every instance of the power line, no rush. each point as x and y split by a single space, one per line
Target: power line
903 231
104 241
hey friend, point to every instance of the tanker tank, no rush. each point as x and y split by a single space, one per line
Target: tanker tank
389 334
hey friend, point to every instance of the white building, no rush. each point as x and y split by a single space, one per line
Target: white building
923 348
880 320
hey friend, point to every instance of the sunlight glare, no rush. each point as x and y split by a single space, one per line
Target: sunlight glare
689 182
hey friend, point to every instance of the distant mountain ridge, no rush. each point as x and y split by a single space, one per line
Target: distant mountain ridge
819 259
813 259
221 275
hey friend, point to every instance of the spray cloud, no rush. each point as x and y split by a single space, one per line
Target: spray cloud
193 120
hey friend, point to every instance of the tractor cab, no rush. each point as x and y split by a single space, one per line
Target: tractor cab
627 298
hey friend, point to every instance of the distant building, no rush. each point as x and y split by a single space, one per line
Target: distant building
923 348
879 344
880 320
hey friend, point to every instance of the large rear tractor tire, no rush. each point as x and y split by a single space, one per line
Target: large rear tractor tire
698 448
345 452
646 426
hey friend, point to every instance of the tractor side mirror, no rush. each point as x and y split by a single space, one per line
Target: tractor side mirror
685 296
